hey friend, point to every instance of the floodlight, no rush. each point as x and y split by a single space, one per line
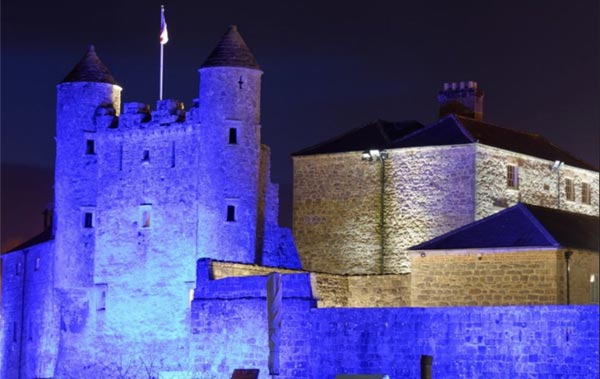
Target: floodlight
557 165
374 154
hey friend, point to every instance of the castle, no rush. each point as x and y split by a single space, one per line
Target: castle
165 229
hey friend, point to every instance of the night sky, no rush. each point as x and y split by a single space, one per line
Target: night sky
329 66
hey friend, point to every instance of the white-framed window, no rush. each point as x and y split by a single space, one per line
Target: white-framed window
569 189
512 176
586 195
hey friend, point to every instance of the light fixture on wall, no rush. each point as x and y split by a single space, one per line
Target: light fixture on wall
376 155
556 166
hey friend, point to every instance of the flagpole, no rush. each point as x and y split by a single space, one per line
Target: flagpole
162 53
160 86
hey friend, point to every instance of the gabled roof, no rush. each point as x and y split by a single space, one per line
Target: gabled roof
375 135
44 236
455 130
90 69
231 51
523 225
520 142
450 130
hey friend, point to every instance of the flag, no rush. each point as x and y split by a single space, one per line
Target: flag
164 34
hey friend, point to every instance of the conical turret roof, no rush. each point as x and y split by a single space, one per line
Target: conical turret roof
90 69
231 51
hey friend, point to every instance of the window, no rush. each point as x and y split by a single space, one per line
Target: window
569 189
146 216
90 147
232 136
37 264
14 332
100 290
146 219
88 220
586 196
146 156
230 213
18 269
512 176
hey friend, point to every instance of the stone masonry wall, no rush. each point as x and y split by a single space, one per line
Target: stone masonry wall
28 313
499 277
229 330
337 227
537 183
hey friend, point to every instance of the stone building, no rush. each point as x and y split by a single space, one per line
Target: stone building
140 196
165 238
356 214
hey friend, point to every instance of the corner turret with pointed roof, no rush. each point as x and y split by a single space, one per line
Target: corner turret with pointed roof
90 69
231 51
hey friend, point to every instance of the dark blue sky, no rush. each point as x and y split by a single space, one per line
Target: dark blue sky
328 66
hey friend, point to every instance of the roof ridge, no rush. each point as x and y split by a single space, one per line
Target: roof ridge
523 208
532 134
338 136
460 229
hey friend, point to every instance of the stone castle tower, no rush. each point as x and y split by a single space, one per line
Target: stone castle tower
140 196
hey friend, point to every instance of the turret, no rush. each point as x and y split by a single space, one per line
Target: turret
229 96
86 98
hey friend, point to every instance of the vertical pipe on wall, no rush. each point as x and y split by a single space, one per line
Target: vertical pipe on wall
568 255
382 216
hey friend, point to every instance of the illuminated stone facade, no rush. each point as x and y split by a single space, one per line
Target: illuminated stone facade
427 191
166 229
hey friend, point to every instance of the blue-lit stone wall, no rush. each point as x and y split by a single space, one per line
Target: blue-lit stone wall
229 330
29 334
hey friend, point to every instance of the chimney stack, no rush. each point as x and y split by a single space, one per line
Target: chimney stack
461 99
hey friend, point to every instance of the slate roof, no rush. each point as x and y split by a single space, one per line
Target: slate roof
231 51
375 135
523 225
44 236
450 130
454 130
90 69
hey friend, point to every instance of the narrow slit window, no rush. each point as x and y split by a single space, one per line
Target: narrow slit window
37 264
88 220
14 332
90 147
231 213
18 269
241 82
146 218
512 176
173 154
121 157
569 189
232 136
146 156
586 196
